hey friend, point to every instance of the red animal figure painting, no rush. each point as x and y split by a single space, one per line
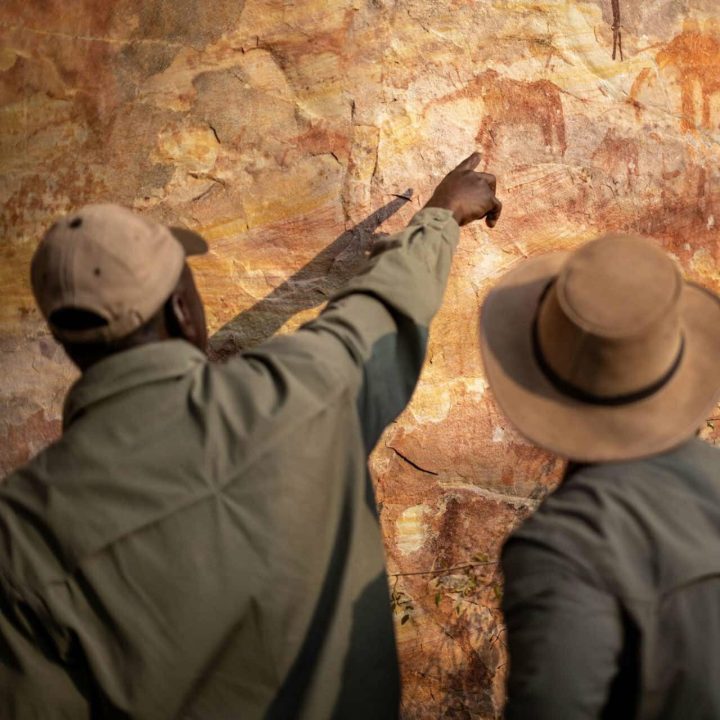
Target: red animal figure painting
695 58
511 103
514 104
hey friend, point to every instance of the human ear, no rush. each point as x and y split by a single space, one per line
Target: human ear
179 319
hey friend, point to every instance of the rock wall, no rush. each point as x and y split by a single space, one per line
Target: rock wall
292 134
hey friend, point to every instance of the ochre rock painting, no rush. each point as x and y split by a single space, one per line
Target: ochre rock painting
693 57
512 104
294 134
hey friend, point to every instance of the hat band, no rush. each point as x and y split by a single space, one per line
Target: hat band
577 393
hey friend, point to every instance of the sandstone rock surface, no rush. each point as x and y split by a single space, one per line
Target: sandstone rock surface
291 134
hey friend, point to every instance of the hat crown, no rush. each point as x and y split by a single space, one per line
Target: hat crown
618 286
609 327
107 261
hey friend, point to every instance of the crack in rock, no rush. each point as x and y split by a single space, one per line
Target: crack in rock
411 463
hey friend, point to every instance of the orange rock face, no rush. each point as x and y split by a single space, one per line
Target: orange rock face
291 135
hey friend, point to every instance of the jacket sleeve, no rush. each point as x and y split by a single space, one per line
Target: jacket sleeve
371 338
32 682
564 637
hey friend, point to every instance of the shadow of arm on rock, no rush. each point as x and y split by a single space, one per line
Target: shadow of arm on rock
310 286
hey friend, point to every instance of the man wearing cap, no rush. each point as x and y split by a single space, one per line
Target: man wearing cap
612 600
203 541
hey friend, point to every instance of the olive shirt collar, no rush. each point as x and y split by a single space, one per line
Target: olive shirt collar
129 369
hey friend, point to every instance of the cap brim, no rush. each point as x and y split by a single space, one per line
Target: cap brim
585 431
192 243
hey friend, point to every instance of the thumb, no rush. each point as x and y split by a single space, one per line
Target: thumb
469 163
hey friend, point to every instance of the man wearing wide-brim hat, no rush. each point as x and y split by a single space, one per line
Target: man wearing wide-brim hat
612 601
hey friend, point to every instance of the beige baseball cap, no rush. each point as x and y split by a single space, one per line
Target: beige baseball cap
110 265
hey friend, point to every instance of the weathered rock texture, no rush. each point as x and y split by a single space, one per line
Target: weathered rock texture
285 132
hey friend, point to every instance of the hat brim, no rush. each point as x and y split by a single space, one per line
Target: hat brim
192 243
583 431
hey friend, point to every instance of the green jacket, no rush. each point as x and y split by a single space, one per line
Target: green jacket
612 597
203 541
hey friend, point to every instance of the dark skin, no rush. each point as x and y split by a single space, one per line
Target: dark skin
469 195
181 317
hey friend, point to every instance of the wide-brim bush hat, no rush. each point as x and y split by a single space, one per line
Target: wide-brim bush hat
605 353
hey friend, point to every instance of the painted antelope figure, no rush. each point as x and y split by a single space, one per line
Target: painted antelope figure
695 58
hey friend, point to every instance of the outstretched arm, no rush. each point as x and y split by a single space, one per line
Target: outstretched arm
373 334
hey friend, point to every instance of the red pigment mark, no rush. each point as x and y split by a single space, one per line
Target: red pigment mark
617 155
22 441
508 476
318 140
511 103
695 57
515 102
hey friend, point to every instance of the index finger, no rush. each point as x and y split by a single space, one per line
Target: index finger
470 162
494 215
